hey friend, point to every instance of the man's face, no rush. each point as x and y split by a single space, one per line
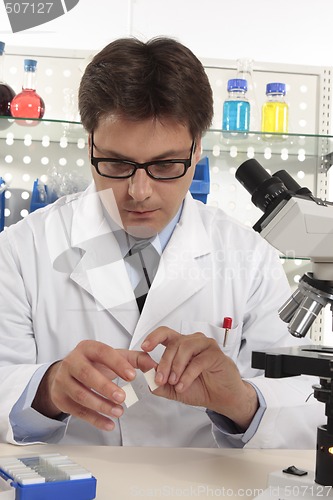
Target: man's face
145 205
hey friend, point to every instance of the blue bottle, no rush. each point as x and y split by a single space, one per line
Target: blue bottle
236 108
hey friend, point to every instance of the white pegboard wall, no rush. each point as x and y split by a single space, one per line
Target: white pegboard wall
59 73
33 151
309 93
308 88
25 160
325 103
45 150
58 77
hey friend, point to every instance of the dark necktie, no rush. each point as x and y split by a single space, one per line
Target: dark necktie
144 258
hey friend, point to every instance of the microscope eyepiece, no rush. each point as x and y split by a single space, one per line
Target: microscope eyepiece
291 184
263 187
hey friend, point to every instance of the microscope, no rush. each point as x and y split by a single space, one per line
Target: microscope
297 223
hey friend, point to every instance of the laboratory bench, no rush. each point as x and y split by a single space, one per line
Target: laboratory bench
124 473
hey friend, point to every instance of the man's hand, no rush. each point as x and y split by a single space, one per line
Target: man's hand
81 384
194 371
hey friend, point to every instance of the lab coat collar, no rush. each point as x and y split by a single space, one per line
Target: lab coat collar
88 217
101 270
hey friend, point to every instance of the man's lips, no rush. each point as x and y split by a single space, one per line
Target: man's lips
142 212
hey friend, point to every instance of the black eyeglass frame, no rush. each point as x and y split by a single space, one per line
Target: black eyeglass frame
96 160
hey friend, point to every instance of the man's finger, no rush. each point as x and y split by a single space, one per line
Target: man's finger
113 359
139 360
162 335
92 417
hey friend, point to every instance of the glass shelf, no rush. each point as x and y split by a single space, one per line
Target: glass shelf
215 141
306 259
19 128
251 143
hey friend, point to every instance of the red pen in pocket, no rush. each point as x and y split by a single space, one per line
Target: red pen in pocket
227 324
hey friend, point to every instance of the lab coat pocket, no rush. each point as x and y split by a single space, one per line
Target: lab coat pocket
233 340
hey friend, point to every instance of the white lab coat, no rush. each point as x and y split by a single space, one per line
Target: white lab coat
63 280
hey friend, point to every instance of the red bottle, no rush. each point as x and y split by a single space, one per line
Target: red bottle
6 92
28 104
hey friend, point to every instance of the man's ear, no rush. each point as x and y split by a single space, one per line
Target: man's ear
198 150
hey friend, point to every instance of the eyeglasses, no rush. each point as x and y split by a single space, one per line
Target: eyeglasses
162 170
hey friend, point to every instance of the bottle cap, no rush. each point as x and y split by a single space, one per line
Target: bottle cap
276 88
2 47
30 65
237 84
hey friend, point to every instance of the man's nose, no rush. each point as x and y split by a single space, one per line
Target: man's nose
140 185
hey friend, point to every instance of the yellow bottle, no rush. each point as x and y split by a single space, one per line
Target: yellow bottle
275 112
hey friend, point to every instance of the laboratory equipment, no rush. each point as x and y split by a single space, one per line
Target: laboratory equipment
48 476
296 221
200 185
275 111
245 72
6 92
236 108
28 104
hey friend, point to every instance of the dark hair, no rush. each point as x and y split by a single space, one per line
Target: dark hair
160 78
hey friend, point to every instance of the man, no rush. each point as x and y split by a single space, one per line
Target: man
85 311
